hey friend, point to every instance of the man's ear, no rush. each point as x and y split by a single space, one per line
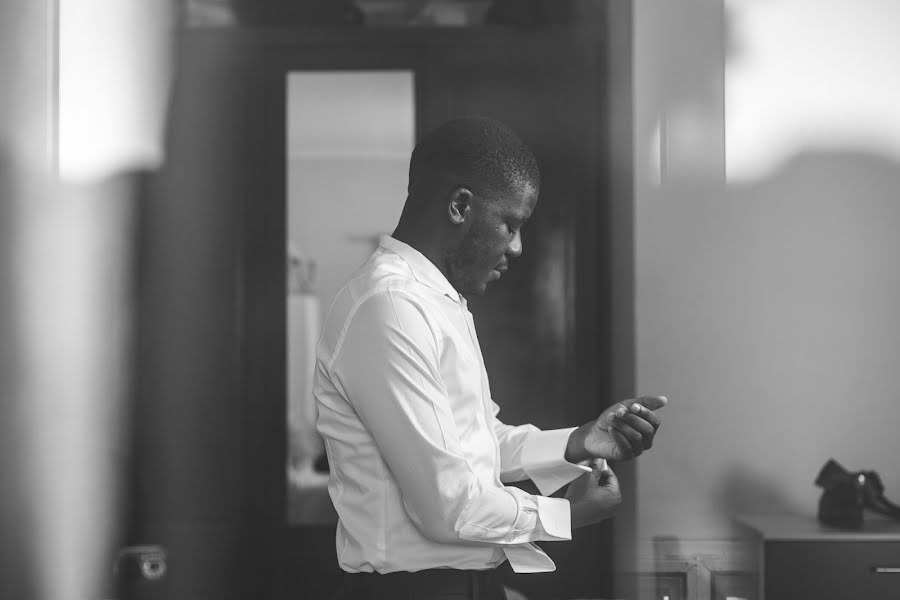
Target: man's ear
459 204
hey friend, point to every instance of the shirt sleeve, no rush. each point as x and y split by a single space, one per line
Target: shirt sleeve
526 452
387 363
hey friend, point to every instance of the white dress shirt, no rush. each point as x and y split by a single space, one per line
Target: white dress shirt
418 457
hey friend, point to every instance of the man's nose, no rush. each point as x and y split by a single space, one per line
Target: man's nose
515 246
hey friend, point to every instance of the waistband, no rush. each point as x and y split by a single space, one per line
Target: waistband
475 583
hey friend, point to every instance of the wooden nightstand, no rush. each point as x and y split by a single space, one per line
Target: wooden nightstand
800 559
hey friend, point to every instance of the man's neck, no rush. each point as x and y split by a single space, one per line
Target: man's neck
424 244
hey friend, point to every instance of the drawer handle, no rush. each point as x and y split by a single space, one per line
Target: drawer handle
886 570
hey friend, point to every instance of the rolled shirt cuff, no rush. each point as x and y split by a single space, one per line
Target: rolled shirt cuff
543 458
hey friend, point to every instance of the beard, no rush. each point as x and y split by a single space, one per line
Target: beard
467 264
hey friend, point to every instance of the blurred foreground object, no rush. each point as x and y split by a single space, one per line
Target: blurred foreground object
66 309
112 77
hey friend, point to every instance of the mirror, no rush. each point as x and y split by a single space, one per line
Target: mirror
349 138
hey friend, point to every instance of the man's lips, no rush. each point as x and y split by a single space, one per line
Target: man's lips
496 272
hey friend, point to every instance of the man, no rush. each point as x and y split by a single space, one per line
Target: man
418 457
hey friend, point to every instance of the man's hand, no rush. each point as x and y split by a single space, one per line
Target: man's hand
593 497
622 431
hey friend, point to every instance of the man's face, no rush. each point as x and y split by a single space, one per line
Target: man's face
493 237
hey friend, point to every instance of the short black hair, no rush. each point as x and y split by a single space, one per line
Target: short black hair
474 151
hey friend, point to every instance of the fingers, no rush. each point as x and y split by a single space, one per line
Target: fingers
647 415
604 473
633 440
651 402
637 426
643 413
644 421
645 430
608 478
632 424
602 477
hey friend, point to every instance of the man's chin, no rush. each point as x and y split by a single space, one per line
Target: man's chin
474 289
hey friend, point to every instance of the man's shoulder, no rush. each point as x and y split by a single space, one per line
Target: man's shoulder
372 300
374 283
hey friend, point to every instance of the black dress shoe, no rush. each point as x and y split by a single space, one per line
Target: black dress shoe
873 495
841 503
833 474
847 493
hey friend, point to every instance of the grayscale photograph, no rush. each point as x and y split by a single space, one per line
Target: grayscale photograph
450 299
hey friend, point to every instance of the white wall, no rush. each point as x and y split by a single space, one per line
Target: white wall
350 135
338 207
766 309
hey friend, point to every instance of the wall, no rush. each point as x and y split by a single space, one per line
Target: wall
338 207
765 306
349 138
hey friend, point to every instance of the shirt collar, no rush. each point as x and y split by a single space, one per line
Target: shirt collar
422 269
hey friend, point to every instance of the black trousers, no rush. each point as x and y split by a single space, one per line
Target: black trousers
430 584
